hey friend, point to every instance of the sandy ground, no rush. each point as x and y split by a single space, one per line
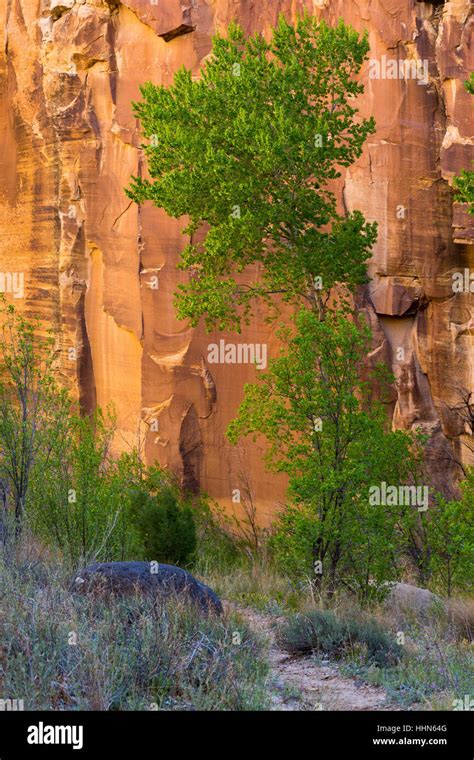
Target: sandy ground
299 683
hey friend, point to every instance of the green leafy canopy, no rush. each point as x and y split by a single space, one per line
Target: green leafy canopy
316 408
246 151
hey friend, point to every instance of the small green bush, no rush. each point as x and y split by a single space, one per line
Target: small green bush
166 525
219 548
321 631
382 649
316 631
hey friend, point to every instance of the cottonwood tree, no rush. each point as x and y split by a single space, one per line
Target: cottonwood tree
330 437
246 152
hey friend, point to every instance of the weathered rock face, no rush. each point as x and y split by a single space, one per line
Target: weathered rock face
104 271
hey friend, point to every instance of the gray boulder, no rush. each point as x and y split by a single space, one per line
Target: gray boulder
150 578
413 600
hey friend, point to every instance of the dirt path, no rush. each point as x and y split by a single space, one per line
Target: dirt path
299 683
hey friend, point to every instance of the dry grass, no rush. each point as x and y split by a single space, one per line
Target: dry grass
461 616
62 651
436 666
259 585
130 655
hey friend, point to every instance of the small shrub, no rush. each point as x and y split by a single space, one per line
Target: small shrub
321 631
382 650
316 631
166 525
219 549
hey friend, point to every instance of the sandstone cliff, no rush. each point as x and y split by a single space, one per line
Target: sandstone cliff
69 70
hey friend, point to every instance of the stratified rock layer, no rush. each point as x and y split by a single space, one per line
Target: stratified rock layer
103 271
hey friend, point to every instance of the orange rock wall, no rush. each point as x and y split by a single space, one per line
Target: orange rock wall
69 70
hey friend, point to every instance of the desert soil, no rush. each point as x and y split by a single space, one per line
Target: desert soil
302 683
